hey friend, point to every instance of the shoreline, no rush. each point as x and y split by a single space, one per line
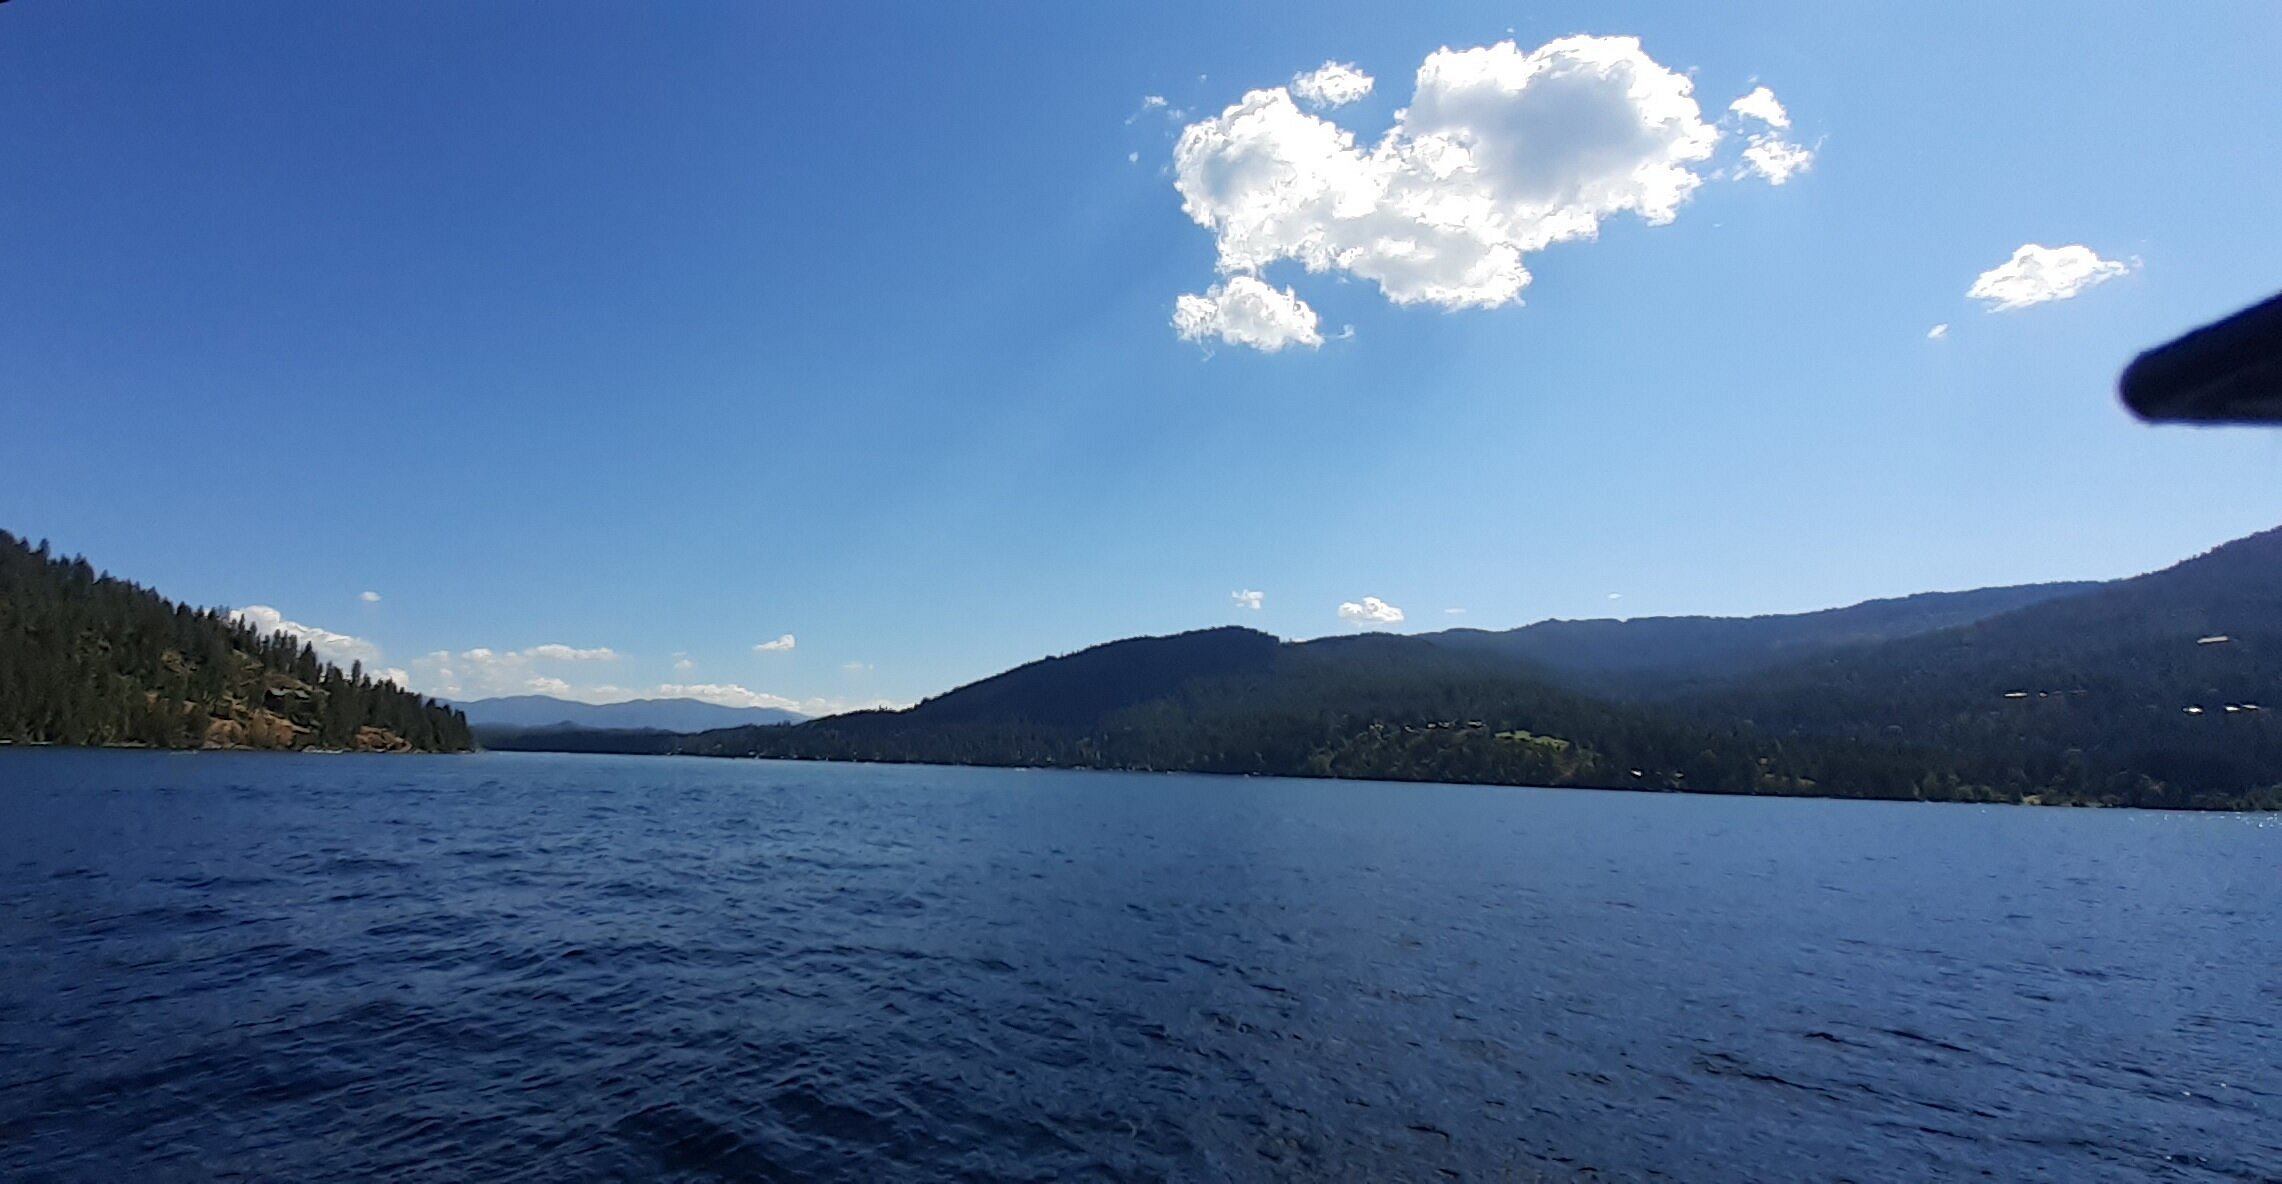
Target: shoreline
2033 801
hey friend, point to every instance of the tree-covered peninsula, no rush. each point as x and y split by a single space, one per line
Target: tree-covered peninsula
89 659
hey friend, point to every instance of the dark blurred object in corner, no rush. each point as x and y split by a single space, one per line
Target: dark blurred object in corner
2229 371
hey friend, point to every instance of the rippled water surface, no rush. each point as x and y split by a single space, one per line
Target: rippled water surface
561 968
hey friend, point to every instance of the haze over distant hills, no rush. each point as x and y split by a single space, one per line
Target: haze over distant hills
668 715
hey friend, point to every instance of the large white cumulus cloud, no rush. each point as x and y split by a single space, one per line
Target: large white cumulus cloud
1499 154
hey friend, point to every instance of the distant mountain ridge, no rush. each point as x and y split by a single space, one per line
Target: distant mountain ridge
1077 689
1660 654
665 715
2158 690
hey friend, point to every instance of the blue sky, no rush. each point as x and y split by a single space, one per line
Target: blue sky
672 330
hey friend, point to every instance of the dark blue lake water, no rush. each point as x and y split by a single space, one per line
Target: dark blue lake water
562 968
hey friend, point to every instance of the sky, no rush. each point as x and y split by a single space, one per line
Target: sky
829 355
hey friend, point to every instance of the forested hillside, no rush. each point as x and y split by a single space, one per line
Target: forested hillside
2152 691
2160 688
88 659
1373 706
1409 709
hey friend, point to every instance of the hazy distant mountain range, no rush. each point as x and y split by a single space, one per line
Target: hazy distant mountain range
665 715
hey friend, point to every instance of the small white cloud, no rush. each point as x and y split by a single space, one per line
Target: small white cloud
1149 103
1761 105
338 648
778 646
369 597
1455 612
1776 159
1938 332
542 685
1246 311
2038 274
394 675
1133 158
1247 598
1333 84
684 665
564 653
856 667
1371 610
1616 596
1769 153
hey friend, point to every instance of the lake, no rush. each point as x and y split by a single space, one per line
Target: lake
524 967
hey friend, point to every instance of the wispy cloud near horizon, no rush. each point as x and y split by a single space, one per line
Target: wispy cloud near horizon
340 649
